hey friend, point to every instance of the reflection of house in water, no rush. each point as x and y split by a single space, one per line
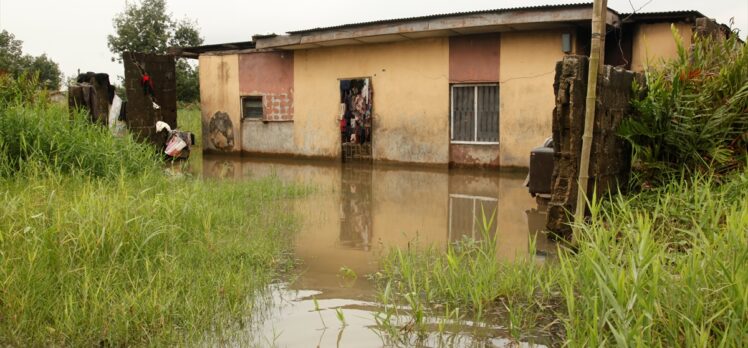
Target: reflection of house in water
359 211
469 217
355 208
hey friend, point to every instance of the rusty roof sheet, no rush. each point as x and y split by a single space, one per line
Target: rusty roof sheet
443 15
660 15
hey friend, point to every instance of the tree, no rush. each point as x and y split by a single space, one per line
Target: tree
147 28
15 63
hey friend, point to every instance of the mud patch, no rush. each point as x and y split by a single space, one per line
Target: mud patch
221 131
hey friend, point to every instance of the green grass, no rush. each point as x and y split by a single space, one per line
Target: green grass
189 119
45 136
99 248
662 268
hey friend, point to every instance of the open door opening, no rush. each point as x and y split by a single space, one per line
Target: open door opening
356 119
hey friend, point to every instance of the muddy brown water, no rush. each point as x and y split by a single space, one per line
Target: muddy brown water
354 215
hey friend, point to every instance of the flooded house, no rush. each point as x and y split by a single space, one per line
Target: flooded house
457 89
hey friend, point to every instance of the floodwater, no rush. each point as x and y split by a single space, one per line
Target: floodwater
354 215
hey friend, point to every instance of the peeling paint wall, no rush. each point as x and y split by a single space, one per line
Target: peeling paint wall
411 99
270 75
528 61
220 103
465 155
655 42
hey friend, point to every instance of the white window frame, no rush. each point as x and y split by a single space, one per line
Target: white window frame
475 110
475 200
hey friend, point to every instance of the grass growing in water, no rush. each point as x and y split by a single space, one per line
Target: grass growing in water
662 268
134 261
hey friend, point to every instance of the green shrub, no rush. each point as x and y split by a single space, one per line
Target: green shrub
694 114
25 90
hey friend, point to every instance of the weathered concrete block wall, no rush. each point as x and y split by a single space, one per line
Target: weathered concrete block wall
707 27
141 116
92 99
610 157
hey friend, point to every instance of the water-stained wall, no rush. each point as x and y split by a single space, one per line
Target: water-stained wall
528 61
410 91
219 103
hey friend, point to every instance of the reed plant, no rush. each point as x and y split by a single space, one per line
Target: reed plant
665 267
47 136
142 260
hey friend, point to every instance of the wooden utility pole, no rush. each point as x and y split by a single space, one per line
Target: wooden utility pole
597 47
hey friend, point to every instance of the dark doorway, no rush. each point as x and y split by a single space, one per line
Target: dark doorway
356 119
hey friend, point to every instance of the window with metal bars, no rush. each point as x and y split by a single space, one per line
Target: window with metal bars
252 107
475 114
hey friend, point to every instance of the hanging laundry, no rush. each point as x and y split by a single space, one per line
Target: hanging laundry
147 83
365 91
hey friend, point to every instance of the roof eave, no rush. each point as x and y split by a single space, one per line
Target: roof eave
443 25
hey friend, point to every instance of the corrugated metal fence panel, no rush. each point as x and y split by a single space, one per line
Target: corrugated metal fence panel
488 113
464 113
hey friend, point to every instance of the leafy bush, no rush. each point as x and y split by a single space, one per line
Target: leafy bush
694 112
22 90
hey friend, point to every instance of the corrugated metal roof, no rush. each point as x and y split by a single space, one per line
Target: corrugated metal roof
442 15
661 15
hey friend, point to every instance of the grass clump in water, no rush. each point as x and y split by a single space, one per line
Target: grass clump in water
127 261
467 281
661 268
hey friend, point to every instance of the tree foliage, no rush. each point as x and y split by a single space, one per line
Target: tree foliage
15 63
694 114
147 27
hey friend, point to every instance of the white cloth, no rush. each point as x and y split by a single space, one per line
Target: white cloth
114 110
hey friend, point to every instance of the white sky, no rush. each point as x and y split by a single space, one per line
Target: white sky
73 32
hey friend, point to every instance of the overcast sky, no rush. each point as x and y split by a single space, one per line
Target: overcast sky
73 32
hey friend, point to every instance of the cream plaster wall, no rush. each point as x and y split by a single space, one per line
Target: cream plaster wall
655 42
527 69
411 98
